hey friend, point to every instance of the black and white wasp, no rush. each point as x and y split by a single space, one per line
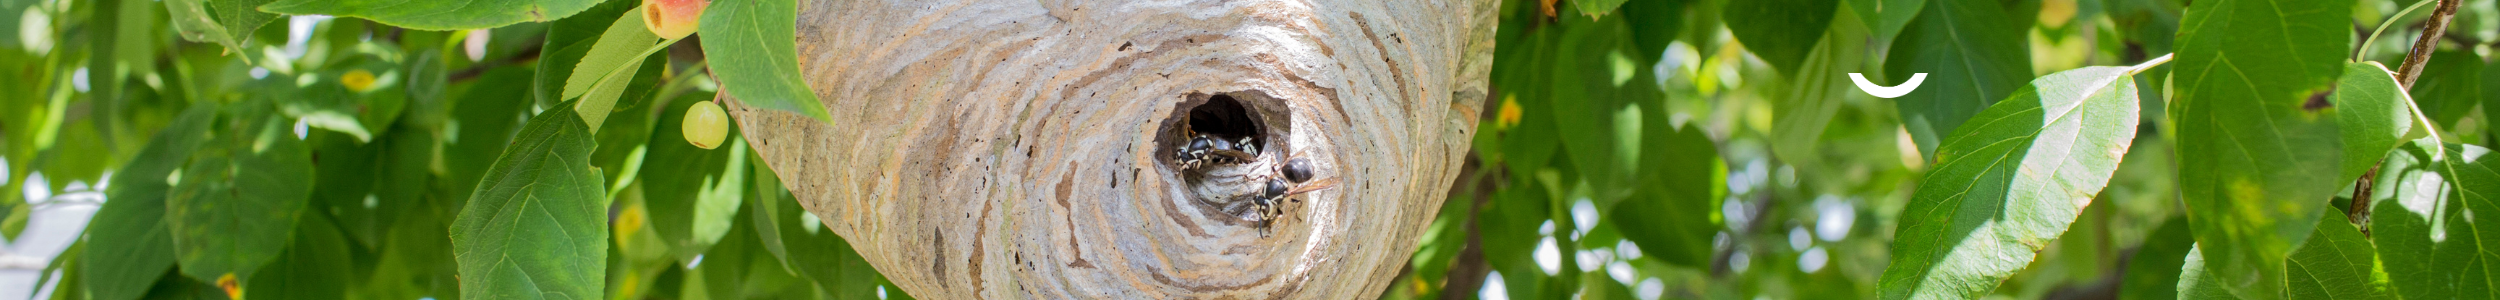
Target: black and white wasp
1296 180
1205 150
1269 203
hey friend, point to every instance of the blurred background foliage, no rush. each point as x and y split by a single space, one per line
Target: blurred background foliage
1640 149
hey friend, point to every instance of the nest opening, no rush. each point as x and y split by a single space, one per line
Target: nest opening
1253 122
1224 117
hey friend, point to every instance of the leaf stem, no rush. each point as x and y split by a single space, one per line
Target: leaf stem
2149 64
2359 54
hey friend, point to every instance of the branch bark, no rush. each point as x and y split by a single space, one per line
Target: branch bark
2359 214
1023 149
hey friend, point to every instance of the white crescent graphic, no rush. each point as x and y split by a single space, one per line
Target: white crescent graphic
1888 92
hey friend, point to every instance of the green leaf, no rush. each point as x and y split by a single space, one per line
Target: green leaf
813 251
536 226
427 77
2422 217
2258 145
770 211
630 125
2153 271
129 245
1781 32
1974 54
1655 24
1674 212
2375 116
2011 182
2149 23
1596 8
2338 263
129 24
611 63
416 260
2449 86
1806 107
567 40
234 205
482 124
2196 283
2491 94
1583 86
754 58
224 22
437 15
322 99
315 267
1886 17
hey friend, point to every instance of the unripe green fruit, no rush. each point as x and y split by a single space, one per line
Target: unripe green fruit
672 19
706 125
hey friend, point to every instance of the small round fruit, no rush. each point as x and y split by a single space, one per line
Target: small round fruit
706 125
672 19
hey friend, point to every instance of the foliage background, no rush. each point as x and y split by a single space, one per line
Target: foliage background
1638 149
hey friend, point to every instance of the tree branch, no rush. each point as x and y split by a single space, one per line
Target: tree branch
2428 42
2359 214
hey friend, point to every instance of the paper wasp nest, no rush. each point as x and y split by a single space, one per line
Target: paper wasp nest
1027 149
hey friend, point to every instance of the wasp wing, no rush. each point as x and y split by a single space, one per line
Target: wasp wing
1314 185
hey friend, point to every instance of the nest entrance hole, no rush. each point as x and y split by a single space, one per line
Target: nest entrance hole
1225 117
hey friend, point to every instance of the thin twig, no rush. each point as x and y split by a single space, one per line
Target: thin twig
2428 42
2359 214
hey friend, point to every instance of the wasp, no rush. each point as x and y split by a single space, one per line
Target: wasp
1206 150
1297 173
1269 203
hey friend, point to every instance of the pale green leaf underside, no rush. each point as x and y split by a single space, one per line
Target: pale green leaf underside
225 22
754 57
438 14
2259 150
601 76
2012 181
617 49
536 228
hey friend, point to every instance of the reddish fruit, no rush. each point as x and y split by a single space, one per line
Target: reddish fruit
672 18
